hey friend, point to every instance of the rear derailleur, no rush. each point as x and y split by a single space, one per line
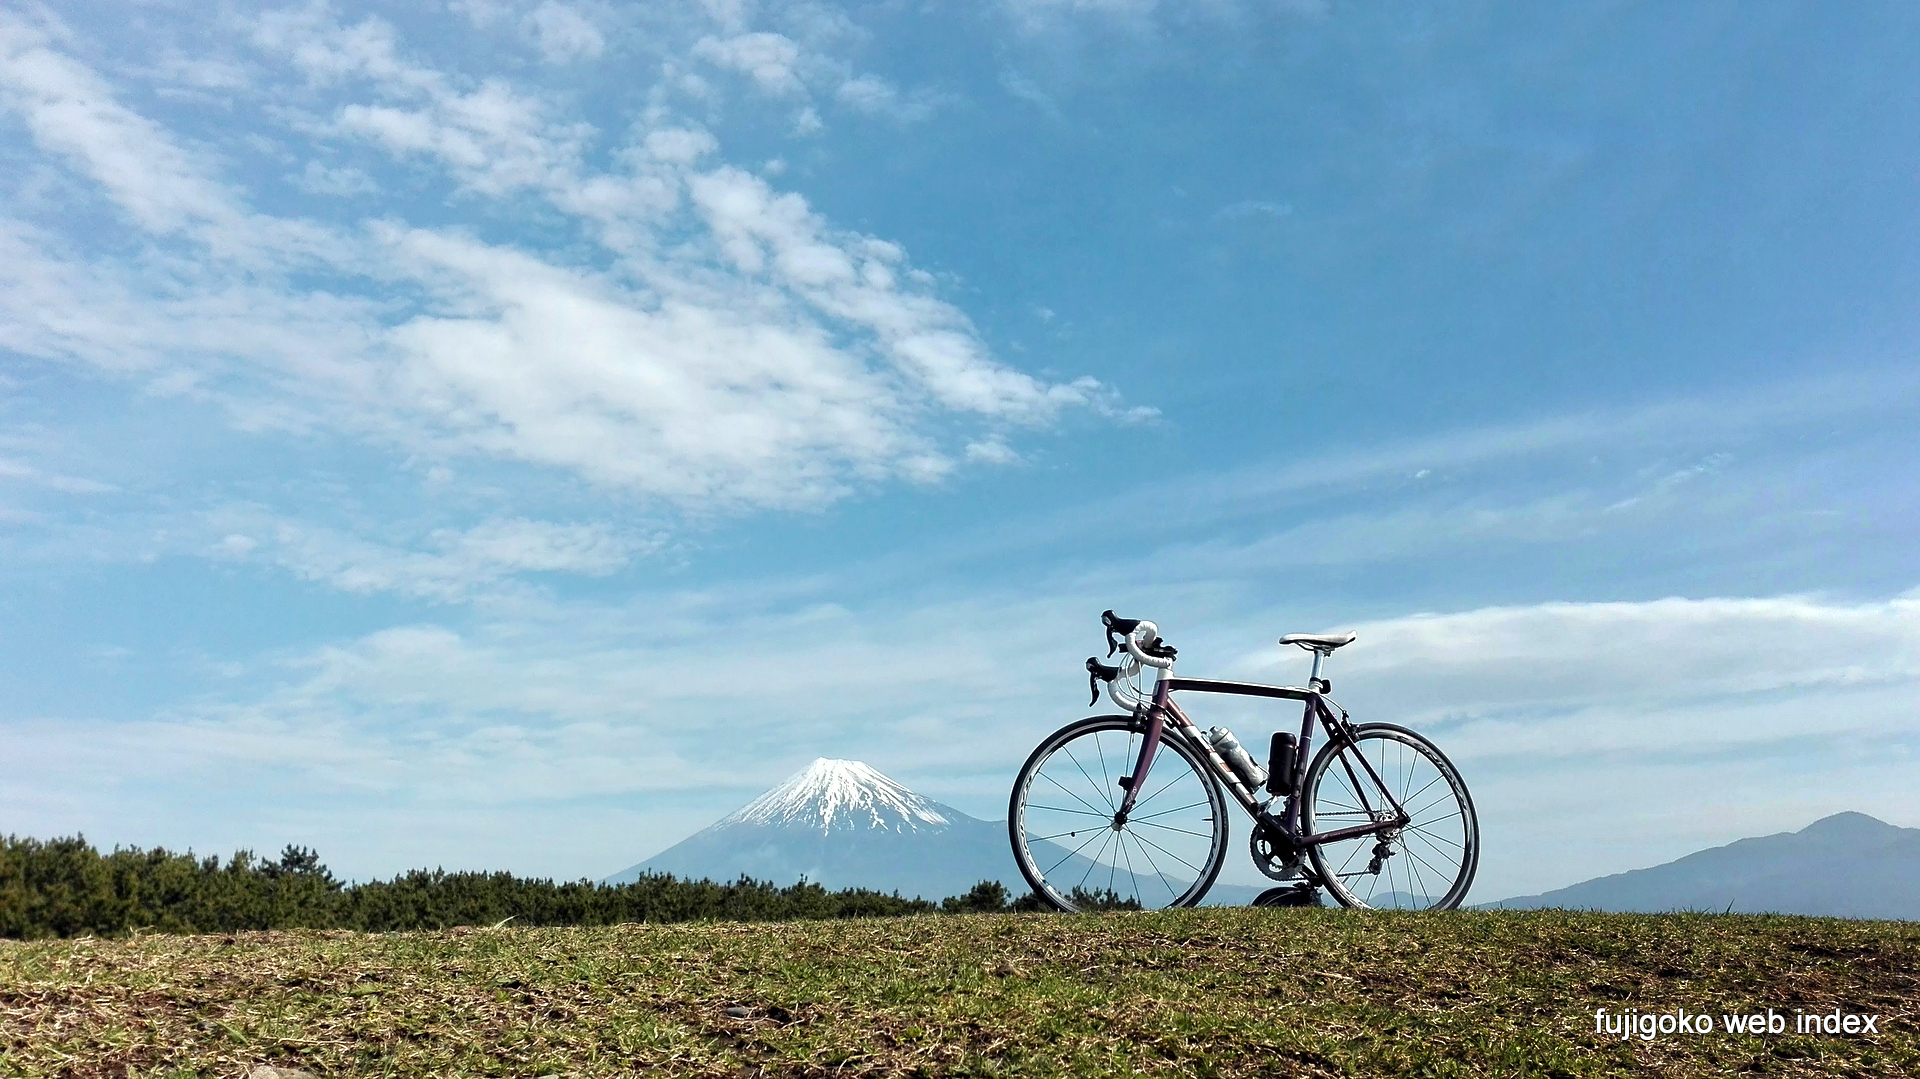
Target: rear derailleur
1383 847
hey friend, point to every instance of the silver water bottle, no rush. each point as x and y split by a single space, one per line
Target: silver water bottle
1236 756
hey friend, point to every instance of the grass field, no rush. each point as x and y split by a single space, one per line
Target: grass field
1228 992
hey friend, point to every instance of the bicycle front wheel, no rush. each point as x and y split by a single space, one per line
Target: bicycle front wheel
1426 864
1065 800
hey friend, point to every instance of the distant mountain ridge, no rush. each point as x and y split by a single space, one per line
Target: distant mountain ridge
842 824
1848 865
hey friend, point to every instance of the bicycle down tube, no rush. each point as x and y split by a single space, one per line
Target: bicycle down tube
1162 707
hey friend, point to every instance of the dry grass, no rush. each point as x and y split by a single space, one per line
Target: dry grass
1228 992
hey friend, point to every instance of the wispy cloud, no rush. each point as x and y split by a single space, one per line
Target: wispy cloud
22 472
564 33
1249 208
446 565
725 347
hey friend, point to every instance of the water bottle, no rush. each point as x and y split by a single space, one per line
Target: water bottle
1282 754
1236 756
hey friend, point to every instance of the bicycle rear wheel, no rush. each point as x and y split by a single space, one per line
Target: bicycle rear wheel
1429 863
1061 820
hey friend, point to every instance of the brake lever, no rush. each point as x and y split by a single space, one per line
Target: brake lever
1098 672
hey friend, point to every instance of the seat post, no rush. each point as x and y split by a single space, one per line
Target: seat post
1318 658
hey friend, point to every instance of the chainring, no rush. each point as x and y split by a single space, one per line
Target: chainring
1273 855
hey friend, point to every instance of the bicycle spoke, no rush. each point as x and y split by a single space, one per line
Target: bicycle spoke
1083 771
1448 796
1164 812
1169 854
1355 849
1063 809
1130 872
1054 836
1094 862
1106 781
1414 869
1429 841
1075 797
1409 852
1423 789
1068 855
1406 774
1162 877
1421 828
1182 831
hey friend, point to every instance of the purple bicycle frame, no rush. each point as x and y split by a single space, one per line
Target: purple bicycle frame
1162 708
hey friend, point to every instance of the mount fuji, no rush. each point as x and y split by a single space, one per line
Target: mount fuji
841 824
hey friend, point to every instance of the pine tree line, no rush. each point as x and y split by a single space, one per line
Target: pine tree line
66 888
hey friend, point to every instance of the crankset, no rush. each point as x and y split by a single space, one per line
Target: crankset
1274 854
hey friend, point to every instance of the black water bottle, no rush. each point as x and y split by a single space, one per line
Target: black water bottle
1280 759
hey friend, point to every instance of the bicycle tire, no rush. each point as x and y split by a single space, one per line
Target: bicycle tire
1162 847
1455 846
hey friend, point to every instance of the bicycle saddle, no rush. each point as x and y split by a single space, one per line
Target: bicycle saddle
1319 642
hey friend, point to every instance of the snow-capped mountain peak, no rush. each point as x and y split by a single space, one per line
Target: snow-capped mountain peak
830 794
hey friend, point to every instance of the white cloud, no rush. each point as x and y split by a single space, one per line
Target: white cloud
723 346
445 565
1626 657
992 451
1025 89
345 181
679 400
875 96
72 114
22 472
770 60
564 34
1142 16
868 93
1246 208
857 280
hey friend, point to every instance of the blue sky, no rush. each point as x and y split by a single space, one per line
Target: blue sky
510 436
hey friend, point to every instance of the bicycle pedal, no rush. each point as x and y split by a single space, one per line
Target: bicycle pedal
1293 895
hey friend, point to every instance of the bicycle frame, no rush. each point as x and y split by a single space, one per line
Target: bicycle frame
1161 710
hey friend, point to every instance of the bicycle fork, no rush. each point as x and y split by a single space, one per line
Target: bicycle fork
1131 783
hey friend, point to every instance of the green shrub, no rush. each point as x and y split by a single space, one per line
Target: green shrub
66 888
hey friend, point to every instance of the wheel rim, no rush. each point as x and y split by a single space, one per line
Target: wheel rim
1165 854
1429 864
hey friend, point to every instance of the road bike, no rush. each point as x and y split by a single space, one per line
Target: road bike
1129 811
